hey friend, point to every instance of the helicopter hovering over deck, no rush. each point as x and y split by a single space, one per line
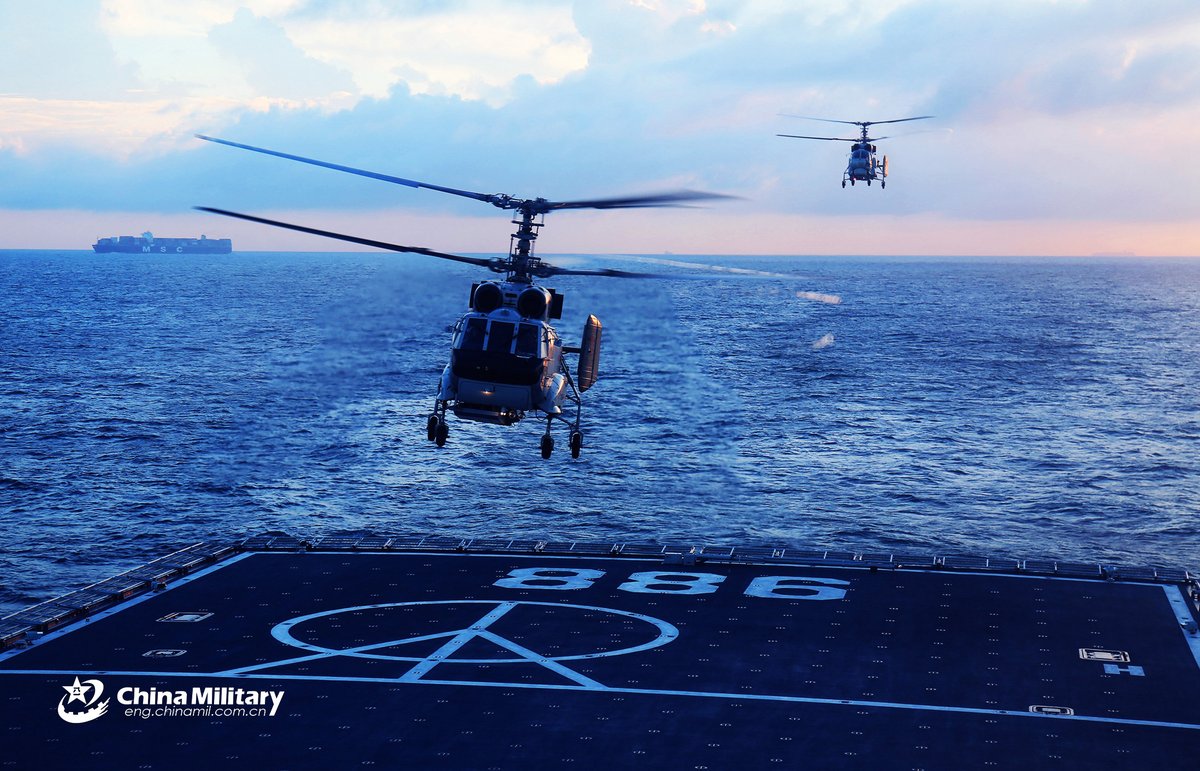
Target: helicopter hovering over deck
506 359
864 165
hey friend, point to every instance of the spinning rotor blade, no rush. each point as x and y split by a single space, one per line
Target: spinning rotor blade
826 120
727 272
485 197
863 123
634 202
495 264
831 139
897 120
500 200
843 139
545 271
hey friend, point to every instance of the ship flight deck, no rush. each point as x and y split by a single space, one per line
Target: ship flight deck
398 652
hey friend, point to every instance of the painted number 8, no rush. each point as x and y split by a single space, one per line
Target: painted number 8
549 578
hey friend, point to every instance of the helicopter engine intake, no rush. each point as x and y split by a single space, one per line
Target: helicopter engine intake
533 303
486 297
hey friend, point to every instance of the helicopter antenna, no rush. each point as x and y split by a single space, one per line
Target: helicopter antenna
529 215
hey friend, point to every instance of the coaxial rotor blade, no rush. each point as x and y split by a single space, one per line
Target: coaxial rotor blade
863 123
843 139
826 120
897 120
546 271
695 271
831 139
675 198
726 272
497 200
497 265
691 270
501 200
708 270
796 136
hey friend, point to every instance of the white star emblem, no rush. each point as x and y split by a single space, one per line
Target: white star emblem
77 691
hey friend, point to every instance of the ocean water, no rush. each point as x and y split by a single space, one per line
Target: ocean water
1023 408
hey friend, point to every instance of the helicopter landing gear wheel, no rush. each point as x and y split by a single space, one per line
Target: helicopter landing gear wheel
852 183
576 443
882 183
843 183
441 433
431 427
547 445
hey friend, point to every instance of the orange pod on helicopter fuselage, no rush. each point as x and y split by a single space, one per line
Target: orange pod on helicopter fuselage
589 354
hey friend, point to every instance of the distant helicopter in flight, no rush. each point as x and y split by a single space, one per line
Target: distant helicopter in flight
506 359
863 164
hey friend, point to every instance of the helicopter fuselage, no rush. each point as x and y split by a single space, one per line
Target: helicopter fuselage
864 165
503 365
506 359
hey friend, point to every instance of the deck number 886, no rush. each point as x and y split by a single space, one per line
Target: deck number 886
659 582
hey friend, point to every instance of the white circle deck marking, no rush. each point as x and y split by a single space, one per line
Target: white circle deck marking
283 632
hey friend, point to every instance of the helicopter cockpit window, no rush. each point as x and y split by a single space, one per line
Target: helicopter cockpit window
500 337
472 336
527 339
495 362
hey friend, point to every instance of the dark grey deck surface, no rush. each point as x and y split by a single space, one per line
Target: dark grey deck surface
450 660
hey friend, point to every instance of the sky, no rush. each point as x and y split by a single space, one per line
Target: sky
1062 127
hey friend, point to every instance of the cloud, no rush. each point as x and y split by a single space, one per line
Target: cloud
51 49
272 64
986 59
1044 110
1116 72
474 49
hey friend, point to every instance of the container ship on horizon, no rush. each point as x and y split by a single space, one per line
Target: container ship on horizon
148 244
